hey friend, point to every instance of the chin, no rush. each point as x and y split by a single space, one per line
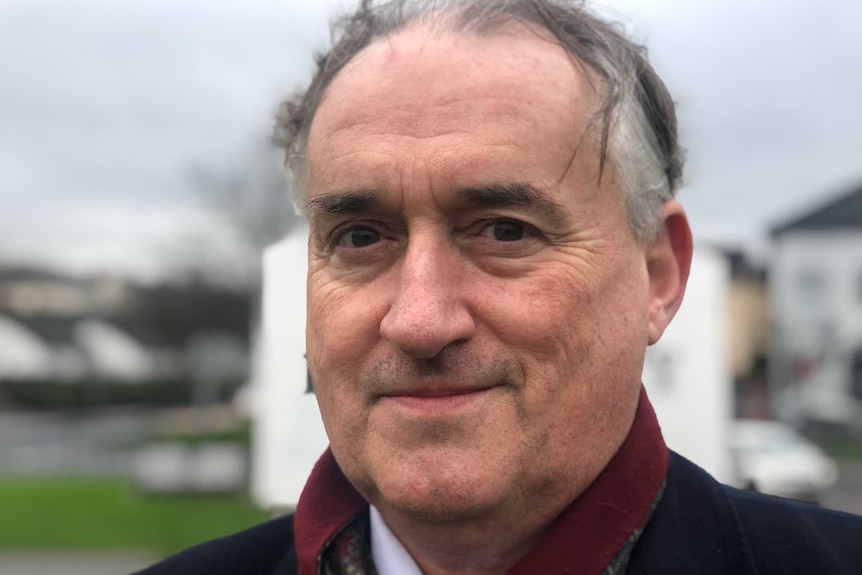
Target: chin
440 505
441 492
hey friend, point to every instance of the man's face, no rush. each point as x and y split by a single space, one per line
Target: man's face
478 308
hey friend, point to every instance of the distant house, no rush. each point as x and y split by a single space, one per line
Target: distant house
748 325
71 349
54 328
62 328
816 293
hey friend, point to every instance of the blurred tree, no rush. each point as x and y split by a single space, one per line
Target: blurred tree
247 207
176 314
250 196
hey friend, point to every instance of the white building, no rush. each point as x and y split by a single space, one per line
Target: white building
816 294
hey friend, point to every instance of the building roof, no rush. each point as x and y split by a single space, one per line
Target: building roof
24 355
843 212
33 273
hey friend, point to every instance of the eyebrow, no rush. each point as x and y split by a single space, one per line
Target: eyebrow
503 195
492 195
523 195
338 203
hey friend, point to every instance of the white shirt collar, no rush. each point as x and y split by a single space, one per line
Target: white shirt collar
390 556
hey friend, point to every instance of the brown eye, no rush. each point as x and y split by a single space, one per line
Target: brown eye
508 231
359 238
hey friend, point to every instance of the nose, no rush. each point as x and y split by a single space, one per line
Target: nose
429 310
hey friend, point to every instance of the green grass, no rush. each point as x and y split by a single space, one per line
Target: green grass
86 513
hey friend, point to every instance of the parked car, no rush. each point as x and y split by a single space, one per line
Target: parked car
772 458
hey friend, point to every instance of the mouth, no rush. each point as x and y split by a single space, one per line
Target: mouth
436 401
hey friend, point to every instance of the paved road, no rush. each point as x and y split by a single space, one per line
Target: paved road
73 563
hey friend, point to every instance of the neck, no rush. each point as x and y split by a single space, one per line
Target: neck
478 546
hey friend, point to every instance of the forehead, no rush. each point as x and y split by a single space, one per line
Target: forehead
427 89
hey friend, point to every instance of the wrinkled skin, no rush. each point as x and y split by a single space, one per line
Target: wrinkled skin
478 306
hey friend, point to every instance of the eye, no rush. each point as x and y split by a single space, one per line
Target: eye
507 230
358 237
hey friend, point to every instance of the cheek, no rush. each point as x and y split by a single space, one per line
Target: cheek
343 325
542 314
568 326
336 346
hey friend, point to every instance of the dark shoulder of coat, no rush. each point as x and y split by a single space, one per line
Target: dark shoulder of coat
707 528
265 549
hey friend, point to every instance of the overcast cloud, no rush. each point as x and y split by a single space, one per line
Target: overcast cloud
105 106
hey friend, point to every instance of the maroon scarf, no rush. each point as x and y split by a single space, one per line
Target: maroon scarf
588 534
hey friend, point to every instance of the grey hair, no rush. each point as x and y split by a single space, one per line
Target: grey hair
637 120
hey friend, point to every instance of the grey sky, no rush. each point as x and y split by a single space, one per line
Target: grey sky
105 106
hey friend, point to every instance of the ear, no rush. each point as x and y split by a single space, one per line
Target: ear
668 264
